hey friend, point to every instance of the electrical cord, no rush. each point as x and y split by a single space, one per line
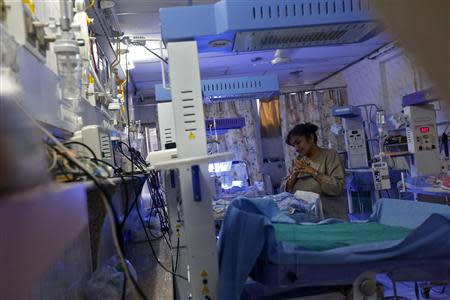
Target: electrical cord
177 255
157 205
149 241
152 52
153 250
132 169
54 159
112 217
124 183
103 195
124 288
83 145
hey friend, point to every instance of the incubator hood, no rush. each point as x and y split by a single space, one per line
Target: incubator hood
241 26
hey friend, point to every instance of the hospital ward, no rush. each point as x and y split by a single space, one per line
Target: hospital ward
225 149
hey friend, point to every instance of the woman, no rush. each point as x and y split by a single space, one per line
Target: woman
316 170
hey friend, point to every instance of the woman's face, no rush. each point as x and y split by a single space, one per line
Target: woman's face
302 144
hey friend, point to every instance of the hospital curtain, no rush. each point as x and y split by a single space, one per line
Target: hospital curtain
245 142
269 113
314 107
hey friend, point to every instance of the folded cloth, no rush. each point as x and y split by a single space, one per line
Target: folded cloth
308 197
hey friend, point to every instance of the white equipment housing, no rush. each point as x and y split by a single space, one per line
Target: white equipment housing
355 142
96 138
166 124
187 181
422 137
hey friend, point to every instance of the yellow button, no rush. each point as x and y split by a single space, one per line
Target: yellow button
191 136
205 290
204 274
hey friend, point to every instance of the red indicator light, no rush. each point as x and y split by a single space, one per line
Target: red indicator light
424 129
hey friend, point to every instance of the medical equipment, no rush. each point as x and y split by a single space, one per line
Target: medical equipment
422 137
166 124
22 23
420 97
197 250
380 169
96 138
235 88
247 26
381 177
214 90
355 138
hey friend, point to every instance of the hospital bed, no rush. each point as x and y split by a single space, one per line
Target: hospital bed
417 248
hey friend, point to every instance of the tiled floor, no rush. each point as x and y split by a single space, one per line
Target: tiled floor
155 282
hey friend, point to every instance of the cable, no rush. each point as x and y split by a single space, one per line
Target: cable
178 253
150 50
54 159
153 250
127 102
81 144
149 241
124 288
112 217
127 199
91 5
103 195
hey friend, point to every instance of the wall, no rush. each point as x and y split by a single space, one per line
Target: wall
384 80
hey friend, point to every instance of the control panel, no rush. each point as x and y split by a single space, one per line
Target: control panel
380 172
422 138
355 143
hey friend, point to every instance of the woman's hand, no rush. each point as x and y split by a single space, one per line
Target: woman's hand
303 166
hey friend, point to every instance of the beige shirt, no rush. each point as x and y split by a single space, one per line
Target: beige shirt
332 187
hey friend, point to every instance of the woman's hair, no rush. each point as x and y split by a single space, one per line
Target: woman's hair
304 129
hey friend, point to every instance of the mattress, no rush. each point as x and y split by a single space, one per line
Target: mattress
332 236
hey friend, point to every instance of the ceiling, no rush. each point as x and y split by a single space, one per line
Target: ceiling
306 66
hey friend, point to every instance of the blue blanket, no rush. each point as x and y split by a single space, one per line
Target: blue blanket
247 236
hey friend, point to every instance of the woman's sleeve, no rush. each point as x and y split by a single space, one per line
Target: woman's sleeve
333 182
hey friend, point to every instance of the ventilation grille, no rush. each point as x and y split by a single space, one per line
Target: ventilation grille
189 111
231 85
168 135
242 97
225 124
308 9
228 88
105 146
303 36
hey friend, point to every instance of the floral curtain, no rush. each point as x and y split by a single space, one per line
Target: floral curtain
314 107
244 142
